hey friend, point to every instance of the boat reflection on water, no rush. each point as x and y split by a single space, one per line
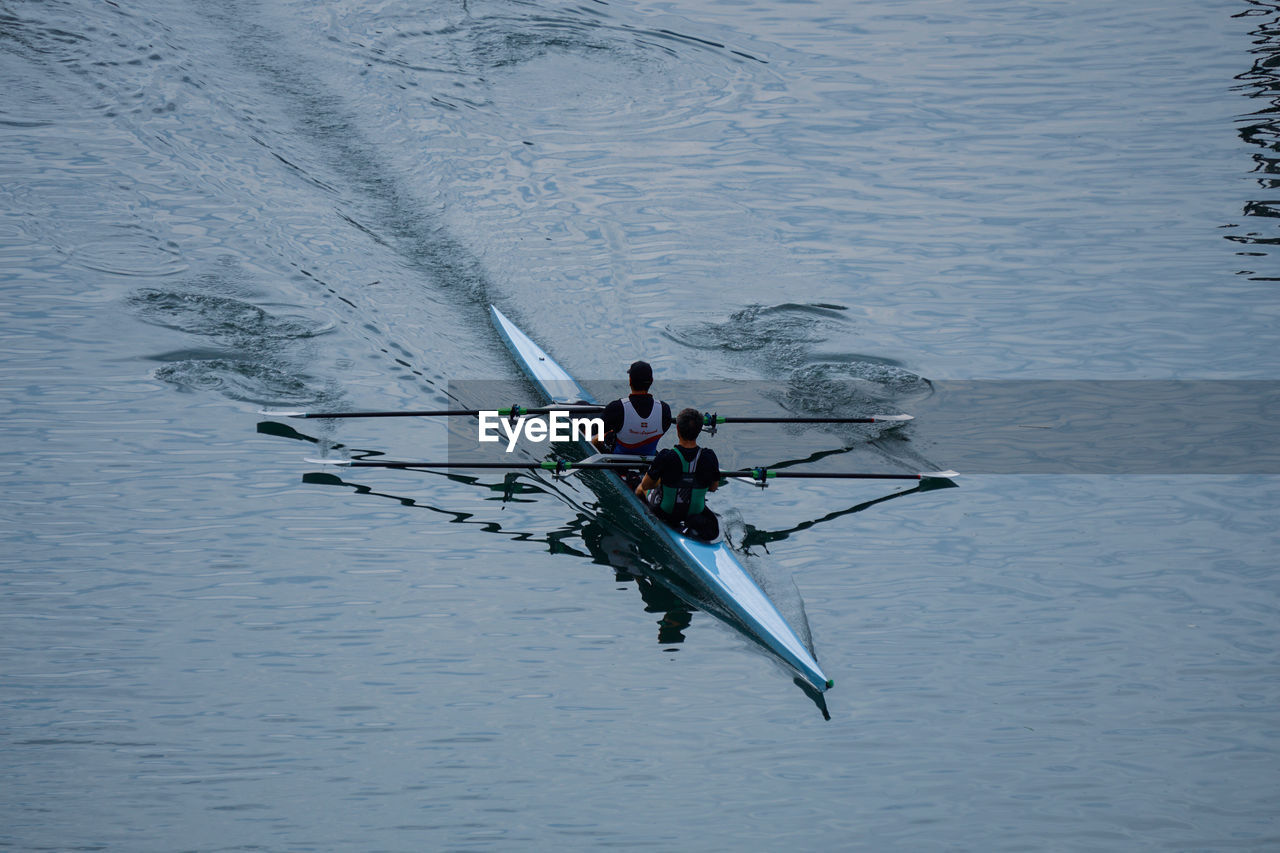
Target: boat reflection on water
601 533
599 542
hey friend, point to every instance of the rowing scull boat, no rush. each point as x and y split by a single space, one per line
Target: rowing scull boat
711 564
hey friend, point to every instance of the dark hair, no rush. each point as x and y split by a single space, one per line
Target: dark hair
641 375
688 424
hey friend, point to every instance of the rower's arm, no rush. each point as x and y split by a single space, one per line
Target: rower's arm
645 485
613 419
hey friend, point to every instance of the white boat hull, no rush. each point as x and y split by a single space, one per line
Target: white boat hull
711 564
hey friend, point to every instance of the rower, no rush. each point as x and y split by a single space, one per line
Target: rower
634 424
683 475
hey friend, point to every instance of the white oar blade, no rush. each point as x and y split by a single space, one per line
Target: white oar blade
328 461
939 475
265 413
893 417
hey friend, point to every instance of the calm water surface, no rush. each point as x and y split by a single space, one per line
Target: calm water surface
209 209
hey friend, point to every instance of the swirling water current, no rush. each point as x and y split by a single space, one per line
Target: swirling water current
214 208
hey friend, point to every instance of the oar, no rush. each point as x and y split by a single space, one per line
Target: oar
559 465
509 411
711 420
760 475
546 465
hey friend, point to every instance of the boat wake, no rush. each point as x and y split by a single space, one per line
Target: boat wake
801 345
246 352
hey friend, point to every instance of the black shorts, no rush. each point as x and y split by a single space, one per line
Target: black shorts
703 525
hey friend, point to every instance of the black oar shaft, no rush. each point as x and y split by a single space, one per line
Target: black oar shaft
424 414
362 463
440 413
709 419
763 474
501 466
721 419
758 474
744 420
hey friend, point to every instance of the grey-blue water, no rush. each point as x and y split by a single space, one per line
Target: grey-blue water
212 208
